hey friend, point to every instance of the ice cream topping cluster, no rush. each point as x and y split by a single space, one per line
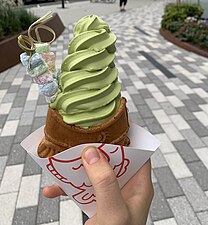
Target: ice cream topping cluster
39 61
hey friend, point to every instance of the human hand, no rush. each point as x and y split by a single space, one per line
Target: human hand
128 206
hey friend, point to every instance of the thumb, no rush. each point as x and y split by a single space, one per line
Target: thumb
103 179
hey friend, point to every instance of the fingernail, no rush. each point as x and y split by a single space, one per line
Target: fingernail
91 155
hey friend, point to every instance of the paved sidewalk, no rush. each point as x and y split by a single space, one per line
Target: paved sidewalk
167 92
75 11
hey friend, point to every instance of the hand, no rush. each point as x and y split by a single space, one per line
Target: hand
129 206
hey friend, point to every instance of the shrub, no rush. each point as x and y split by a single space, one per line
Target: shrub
14 20
174 26
195 32
188 32
178 13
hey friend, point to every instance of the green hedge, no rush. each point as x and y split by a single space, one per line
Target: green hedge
175 14
185 22
13 20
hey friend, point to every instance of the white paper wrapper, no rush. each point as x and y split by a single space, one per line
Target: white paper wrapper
67 170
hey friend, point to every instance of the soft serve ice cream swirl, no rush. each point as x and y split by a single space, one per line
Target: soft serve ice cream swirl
90 91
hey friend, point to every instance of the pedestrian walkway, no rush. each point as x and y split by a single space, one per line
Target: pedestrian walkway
74 11
167 92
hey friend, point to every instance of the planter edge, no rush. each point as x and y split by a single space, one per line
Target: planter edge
9 45
171 38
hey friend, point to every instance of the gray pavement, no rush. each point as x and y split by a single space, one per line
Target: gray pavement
167 92
76 10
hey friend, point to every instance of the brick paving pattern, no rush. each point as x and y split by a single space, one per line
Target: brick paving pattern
167 92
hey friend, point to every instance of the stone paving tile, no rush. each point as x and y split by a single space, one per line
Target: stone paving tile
199 128
70 212
198 100
15 113
202 154
180 94
38 122
131 106
177 165
7 207
5 145
205 140
26 118
185 151
48 209
172 132
10 128
204 108
3 119
200 173
182 211
161 116
154 179
25 216
19 101
203 217
186 89
145 93
152 103
30 106
22 132
158 159
17 155
32 192
159 97
170 221
166 145
53 223
168 182
131 90
22 92
11 179
191 105
175 101
5 85
3 161
192 138
136 118
187 115
179 122
202 117
13 89
159 208
17 81
145 111
31 167
194 194
149 221
138 100
10 97
153 126
166 91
